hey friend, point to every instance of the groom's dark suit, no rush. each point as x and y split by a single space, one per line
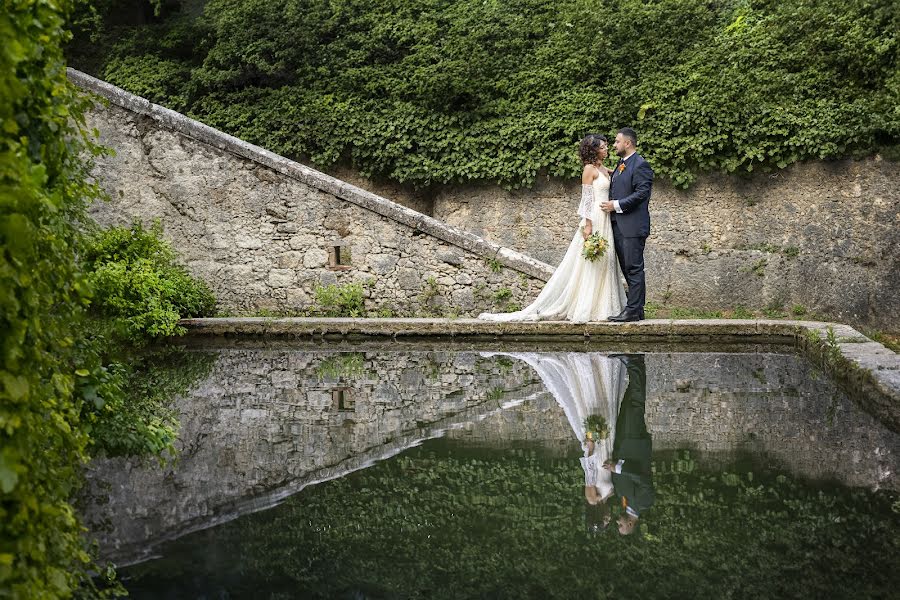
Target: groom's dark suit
631 188
632 444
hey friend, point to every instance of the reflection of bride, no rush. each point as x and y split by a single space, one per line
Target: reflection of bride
583 384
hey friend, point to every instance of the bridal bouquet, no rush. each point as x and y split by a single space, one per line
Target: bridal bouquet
596 428
594 247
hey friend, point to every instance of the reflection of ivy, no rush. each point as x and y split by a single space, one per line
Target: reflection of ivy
345 365
146 421
507 525
496 393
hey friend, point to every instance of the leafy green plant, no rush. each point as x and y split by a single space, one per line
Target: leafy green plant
798 310
347 300
651 310
45 152
65 390
759 267
432 92
494 265
502 294
138 284
429 292
833 349
343 365
741 312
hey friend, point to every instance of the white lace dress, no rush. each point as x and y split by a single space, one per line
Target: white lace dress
579 290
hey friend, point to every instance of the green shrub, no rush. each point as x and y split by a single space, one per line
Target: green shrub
139 286
432 91
340 300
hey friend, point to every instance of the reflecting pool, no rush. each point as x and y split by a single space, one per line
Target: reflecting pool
419 473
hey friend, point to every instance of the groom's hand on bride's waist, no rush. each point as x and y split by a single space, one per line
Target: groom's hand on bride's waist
611 206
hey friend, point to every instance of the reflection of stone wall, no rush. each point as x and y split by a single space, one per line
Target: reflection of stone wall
725 406
266 423
729 241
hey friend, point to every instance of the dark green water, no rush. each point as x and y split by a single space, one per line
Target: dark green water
458 475
447 522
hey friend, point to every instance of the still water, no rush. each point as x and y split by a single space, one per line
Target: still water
416 473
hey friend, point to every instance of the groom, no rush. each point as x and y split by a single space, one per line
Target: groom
629 197
632 449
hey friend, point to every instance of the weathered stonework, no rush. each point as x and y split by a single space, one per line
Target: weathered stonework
824 235
265 423
258 227
866 367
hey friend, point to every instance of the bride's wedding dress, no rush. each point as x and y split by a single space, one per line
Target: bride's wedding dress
579 290
583 384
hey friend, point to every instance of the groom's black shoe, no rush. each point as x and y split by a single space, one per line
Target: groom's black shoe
626 316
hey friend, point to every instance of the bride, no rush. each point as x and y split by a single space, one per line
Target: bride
581 290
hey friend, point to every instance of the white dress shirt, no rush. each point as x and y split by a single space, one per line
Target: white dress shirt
616 202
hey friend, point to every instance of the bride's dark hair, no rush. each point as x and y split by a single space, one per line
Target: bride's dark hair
589 149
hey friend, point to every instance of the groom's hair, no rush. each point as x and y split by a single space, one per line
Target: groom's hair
630 133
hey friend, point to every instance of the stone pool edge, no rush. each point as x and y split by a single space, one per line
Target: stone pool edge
844 352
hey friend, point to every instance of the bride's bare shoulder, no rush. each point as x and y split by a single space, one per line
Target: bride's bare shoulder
589 174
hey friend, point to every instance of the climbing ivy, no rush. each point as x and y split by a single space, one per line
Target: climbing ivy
436 91
43 192
63 394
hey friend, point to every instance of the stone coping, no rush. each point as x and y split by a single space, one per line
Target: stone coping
868 369
194 129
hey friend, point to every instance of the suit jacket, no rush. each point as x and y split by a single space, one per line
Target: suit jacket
632 189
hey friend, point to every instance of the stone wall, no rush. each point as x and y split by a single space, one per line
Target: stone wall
265 423
824 235
730 407
260 228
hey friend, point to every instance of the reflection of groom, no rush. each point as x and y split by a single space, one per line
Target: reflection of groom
629 198
630 464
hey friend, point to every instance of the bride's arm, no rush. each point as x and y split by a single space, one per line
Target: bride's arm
587 199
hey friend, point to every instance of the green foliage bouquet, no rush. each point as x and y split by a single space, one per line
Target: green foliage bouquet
596 428
594 247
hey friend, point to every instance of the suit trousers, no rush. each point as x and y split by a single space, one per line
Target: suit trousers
630 252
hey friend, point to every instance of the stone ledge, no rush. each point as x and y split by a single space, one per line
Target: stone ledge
866 367
194 129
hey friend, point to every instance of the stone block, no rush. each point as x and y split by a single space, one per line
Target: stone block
279 278
315 258
247 242
450 257
383 264
290 260
287 228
